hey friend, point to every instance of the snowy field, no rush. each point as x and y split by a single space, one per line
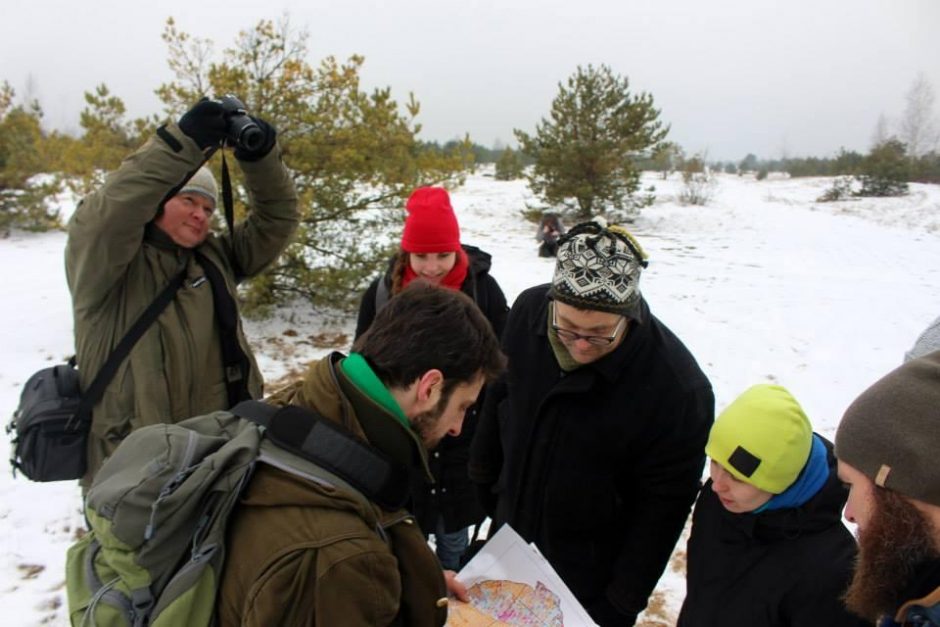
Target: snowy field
763 285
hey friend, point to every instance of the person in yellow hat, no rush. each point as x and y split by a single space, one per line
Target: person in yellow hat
768 547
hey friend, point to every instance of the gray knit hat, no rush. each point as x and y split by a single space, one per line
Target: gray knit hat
202 182
598 268
928 342
891 433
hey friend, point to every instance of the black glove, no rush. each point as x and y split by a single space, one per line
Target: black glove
606 615
270 138
205 123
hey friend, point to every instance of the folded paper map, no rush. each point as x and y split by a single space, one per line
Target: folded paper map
510 583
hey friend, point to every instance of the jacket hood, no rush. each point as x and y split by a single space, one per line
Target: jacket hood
480 261
327 391
272 487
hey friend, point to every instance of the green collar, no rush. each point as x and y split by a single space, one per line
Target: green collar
564 358
360 373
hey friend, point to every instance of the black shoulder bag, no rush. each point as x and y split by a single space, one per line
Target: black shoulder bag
53 419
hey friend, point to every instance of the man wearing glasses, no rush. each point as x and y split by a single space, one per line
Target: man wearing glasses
592 445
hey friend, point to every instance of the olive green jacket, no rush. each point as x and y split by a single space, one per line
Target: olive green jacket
117 262
301 553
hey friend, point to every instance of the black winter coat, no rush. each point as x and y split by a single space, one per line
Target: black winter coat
452 495
600 466
781 568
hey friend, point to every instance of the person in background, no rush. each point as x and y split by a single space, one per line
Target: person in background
550 229
150 220
431 251
887 444
768 547
592 445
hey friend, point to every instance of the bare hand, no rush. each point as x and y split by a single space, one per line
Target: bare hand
454 587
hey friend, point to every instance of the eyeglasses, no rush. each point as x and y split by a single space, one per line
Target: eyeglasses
594 340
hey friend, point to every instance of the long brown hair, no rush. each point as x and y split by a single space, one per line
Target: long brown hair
398 271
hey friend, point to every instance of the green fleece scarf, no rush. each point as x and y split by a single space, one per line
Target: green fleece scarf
360 373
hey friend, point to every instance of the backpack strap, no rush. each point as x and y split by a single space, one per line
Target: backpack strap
382 294
325 443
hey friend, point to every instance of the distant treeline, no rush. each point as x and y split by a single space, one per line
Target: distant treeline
923 169
481 154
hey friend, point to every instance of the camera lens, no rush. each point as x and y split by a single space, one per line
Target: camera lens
245 133
250 138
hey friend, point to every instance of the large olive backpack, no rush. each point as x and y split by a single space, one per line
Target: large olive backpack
159 506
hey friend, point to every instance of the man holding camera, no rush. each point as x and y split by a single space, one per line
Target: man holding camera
148 224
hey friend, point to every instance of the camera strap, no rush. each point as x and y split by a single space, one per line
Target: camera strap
227 197
229 211
235 363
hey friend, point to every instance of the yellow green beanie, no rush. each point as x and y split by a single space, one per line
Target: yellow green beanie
763 438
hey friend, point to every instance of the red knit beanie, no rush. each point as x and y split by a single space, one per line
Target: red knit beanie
431 226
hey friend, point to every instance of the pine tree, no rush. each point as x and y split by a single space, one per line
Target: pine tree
22 157
508 166
666 158
107 138
584 151
354 154
885 170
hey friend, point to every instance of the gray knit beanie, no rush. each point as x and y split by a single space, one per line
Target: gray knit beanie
928 342
891 433
598 268
202 182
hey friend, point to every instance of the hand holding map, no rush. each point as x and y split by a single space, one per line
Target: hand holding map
510 583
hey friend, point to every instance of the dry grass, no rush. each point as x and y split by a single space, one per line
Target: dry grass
656 614
30 571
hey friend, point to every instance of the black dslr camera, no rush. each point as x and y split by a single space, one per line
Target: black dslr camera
242 131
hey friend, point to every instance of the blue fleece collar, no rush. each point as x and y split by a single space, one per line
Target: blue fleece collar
811 479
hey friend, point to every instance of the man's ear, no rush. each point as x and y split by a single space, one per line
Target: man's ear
429 388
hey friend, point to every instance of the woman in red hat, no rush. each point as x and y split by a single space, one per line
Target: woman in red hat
431 250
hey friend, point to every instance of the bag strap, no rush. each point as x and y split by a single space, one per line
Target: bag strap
94 392
382 294
236 366
305 433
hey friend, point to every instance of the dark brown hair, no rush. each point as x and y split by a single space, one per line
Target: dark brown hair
398 271
427 327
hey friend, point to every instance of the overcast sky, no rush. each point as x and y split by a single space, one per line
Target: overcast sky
795 78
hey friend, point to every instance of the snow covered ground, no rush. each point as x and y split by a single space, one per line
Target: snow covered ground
764 284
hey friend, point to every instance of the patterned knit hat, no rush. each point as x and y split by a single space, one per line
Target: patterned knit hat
431 226
762 438
598 269
891 433
203 183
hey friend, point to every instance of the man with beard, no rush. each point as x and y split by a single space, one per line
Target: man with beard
305 553
887 445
